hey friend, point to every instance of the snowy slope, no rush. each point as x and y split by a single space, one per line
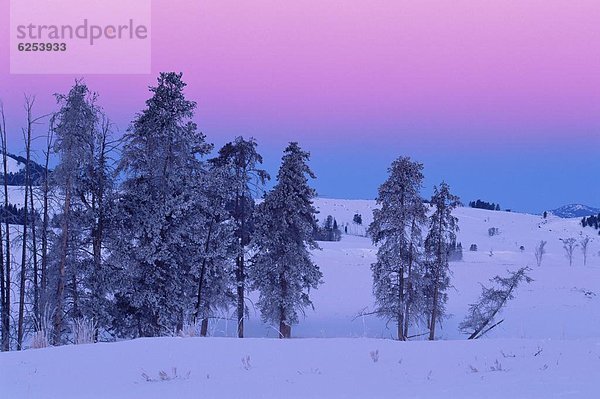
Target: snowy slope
556 316
575 211
13 165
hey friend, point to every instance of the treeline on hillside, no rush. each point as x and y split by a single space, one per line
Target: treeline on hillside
36 172
592 221
479 204
13 214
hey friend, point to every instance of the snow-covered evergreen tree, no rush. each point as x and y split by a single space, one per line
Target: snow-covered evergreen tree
97 194
75 127
156 245
240 162
396 230
215 235
442 234
282 269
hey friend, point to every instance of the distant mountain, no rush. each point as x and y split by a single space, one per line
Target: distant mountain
15 166
574 211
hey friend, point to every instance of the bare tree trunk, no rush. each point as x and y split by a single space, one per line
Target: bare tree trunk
401 296
4 271
75 295
204 327
60 292
98 208
400 320
45 217
240 295
409 298
434 311
240 276
23 265
27 136
36 283
436 288
285 331
3 298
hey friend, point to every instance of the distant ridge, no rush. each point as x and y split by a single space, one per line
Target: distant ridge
16 170
574 211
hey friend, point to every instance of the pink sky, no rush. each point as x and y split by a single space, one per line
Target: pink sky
323 69
500 98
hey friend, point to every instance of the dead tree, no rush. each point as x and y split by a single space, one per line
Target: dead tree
46 214
585 242
491 301
31 121
569 244
5 261
540 250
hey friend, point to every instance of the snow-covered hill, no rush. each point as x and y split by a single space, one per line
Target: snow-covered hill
547 346
15 167
575 211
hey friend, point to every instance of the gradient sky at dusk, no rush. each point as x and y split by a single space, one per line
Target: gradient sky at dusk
501 99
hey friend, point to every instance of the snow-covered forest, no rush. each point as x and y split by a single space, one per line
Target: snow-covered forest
159 235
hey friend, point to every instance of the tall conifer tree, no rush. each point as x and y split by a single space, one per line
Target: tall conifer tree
283 271
396 230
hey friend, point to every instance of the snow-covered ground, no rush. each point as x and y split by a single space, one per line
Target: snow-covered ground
547 346
305 368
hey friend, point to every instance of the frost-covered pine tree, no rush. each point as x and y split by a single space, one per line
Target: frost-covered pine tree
215 236
442 233
156 244
75 127
240 162
283 271
396 230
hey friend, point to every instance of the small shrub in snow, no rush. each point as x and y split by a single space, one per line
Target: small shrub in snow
84 331
493 231
246 363
41 337
166 376
375 355
497 366
40 340
189 330
540 250
473 248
